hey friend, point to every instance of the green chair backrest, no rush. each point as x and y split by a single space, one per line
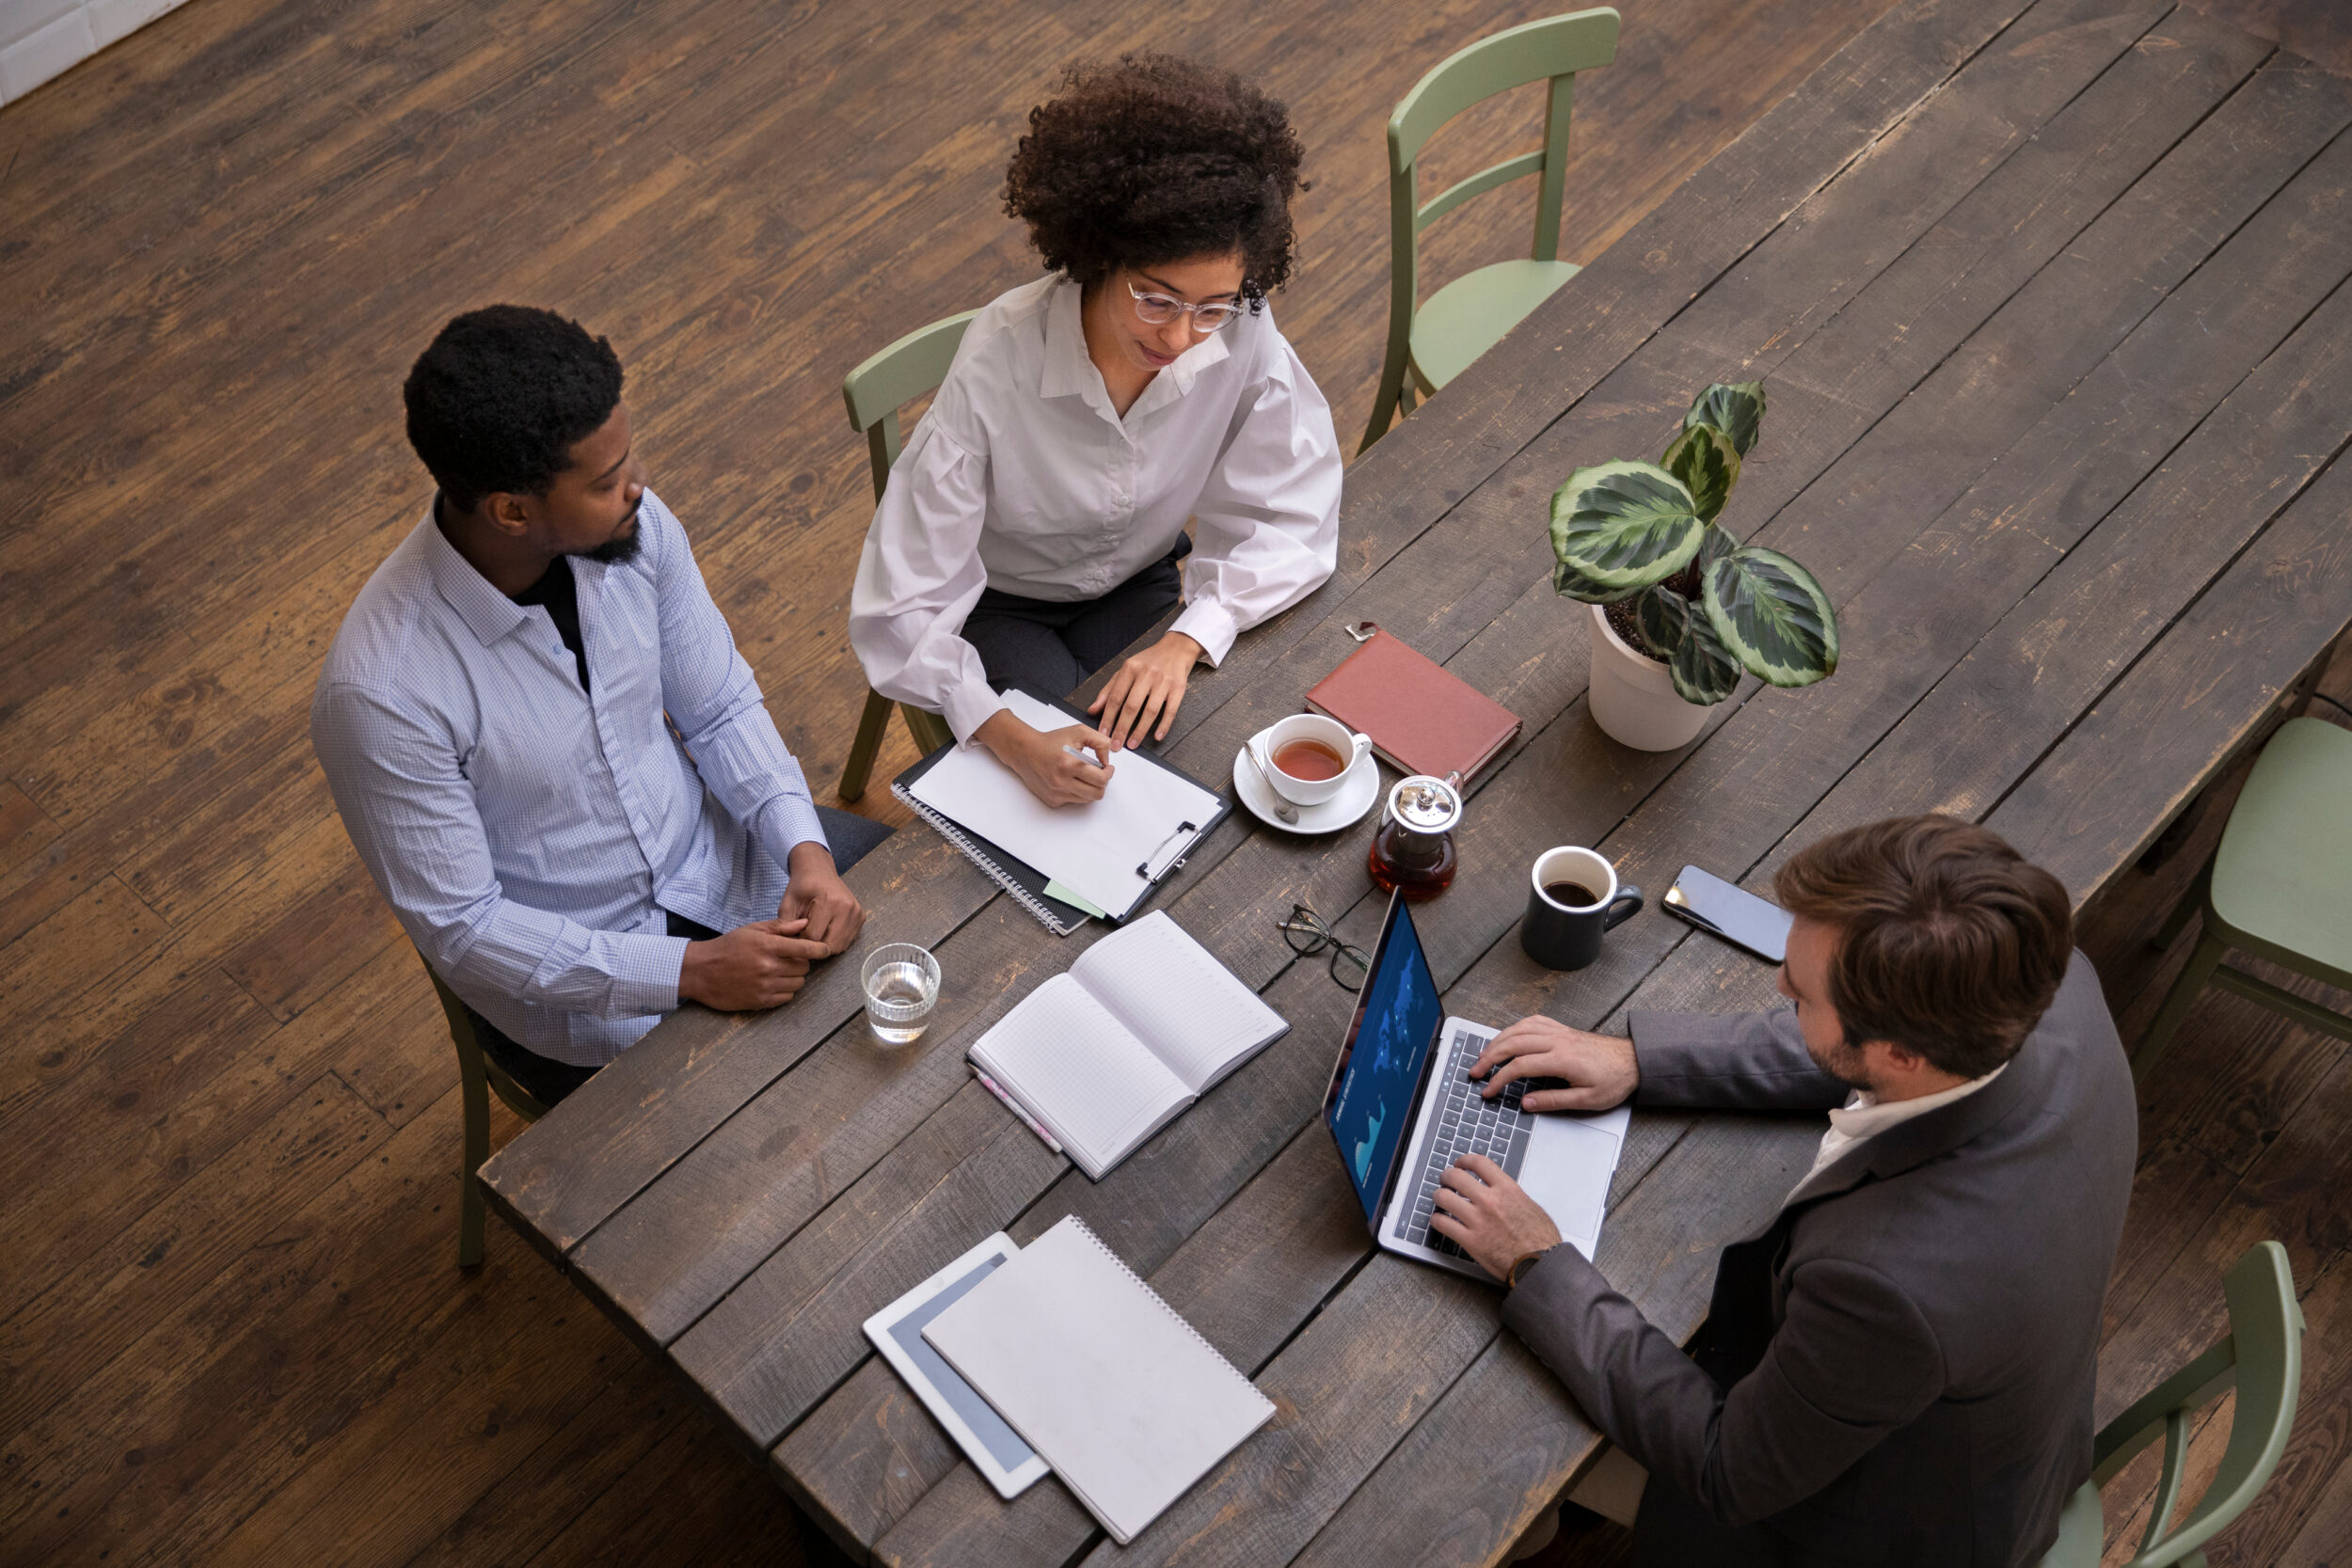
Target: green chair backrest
892 377
1556 49
2261 1357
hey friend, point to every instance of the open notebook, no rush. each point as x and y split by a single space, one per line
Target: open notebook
1138 1028
1122 1397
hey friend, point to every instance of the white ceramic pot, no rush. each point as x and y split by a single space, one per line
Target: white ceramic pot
1634 697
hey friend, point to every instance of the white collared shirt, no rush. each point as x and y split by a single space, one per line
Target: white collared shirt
1021 477
1863 1115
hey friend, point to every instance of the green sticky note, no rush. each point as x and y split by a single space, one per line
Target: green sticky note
1070 897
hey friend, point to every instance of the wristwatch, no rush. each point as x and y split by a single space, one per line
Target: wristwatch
1519 1265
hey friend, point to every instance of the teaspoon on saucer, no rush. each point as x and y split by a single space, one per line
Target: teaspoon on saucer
1282 808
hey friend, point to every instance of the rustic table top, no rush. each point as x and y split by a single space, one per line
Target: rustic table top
2047 298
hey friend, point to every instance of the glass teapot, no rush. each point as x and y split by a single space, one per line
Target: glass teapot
1412 851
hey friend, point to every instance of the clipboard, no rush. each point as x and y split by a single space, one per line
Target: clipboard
1028 883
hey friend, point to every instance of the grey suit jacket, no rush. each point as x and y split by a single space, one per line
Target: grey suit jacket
1901 1368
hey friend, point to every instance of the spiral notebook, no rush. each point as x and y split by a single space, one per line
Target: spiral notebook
1111 853
1120 1394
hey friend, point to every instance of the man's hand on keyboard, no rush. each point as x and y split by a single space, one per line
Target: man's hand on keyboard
1597 1069
1490 1216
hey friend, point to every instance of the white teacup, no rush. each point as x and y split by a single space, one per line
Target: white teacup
1329 734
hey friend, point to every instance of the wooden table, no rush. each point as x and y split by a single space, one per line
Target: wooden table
2047 298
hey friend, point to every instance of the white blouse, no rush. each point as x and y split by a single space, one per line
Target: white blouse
1023 478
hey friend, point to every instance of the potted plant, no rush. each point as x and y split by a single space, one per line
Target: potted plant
1679 607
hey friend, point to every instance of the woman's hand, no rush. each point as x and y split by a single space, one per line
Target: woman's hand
1048 760
1148 686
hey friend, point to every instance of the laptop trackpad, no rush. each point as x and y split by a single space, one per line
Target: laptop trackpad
1570 1162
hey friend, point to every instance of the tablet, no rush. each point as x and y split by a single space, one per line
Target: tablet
994 1448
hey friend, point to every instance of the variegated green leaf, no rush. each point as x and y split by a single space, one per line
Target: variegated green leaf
1570 583
1702 670
1702 457
1718 543
1772 615
1624 525
1661 614
1736 409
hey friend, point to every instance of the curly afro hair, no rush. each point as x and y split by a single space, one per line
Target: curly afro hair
1152 159
501 396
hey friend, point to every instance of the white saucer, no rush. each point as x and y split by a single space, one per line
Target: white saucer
1359 790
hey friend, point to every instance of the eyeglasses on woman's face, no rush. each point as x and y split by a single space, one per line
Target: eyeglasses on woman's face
1158 310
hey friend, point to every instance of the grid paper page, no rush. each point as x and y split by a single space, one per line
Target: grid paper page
1170 990
1079 1070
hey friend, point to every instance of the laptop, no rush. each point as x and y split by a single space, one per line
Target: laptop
1403 1109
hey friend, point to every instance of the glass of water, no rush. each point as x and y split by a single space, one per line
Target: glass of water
902 987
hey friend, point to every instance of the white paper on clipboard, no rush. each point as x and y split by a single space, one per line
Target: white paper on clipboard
1094 848
994 1448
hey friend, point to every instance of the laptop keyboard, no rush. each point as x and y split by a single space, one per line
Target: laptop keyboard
1469 1123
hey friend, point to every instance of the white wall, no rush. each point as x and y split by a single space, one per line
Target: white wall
41 37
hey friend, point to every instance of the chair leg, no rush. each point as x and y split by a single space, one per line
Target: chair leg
1385 407
929 730
2202 963
2191 901
473 1092
863 750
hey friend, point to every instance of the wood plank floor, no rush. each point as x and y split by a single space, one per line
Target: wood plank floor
228 1310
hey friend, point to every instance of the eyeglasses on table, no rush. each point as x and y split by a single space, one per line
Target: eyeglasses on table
1308 936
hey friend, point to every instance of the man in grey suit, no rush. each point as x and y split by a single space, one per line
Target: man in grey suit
1899 1369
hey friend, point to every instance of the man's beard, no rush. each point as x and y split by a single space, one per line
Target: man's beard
1844 1062
621 547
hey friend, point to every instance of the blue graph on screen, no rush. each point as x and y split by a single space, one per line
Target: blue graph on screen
1400 1018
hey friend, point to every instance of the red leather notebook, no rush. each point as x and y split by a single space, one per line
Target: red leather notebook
1421 718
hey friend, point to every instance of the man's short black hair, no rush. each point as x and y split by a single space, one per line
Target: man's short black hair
502 396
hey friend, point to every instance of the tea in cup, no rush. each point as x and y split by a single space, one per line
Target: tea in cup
1307 757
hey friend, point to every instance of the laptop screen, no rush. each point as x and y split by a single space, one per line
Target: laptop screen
1371 1101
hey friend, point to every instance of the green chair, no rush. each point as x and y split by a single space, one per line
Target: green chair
2278 886
2261 1357
875 391
476 1075
1429 345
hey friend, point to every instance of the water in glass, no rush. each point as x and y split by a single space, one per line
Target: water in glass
901 985
892 987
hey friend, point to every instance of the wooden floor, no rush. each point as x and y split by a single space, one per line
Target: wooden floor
231 1324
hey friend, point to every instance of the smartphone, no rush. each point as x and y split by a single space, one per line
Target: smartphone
1733 913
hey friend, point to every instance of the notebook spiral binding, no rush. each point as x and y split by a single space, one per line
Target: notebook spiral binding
972 852
1120 1264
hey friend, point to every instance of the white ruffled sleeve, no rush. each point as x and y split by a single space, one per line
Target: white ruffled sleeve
1267 529
920 575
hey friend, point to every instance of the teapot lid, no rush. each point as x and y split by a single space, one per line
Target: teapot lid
1426 805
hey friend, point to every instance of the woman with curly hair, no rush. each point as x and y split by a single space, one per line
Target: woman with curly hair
1033 525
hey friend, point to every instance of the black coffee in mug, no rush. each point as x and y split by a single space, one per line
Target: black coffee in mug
1572 900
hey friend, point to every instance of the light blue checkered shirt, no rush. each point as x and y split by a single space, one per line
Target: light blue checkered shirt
529 835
